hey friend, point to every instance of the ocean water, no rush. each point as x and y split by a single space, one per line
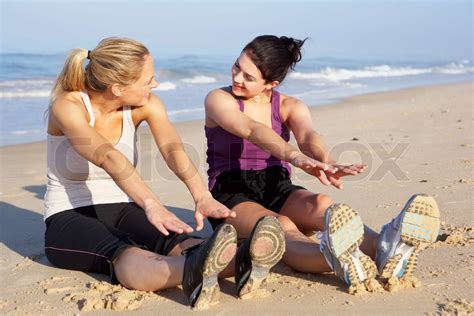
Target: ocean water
26 80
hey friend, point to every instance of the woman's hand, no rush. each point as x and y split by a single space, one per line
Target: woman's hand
207 206
327 174
164 220
349 170
318 169
342 171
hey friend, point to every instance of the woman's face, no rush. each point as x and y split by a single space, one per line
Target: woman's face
247 80
139 92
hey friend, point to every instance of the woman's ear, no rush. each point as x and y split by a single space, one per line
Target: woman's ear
272 84
116 90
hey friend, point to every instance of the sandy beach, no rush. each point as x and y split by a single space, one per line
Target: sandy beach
414 140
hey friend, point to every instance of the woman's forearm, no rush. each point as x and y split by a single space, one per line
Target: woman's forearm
181 165
313 145
269 141
127 178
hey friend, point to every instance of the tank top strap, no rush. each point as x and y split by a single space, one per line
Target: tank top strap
127 118
88 104
276 119
241 104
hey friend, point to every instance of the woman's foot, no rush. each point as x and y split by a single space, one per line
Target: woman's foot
340 246
257 254
203 264
401 240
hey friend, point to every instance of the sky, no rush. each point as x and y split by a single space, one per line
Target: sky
346 29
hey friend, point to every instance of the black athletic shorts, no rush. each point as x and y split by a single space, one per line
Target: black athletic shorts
90 238
269 187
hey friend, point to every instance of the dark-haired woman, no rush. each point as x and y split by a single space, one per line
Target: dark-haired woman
248 127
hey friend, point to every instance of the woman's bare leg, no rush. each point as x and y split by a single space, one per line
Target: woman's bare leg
301 254
144 270
140 269
307 209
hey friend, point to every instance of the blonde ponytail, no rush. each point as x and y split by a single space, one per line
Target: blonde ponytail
115 60
72 76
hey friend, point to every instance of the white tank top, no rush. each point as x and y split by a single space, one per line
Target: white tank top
74 181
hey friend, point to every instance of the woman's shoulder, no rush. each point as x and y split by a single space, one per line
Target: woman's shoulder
223 93
289 104
287 101
68 100
69 97
150 110
66 109
154 101
219 102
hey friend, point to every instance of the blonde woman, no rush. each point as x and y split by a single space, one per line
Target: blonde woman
100 215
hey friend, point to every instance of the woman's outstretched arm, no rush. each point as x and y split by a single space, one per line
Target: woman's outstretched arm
221 108
311 143
71 119
171 147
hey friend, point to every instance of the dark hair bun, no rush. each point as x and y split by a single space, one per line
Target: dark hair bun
294 47
274 56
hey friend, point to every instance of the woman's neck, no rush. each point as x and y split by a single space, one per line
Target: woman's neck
105 102
262 98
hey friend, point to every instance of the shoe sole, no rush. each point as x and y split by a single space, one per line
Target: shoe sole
420 227
268 235
220 254
346 233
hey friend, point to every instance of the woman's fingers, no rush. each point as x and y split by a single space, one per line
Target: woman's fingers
324 166
307 163
356 168
335 182
350 169
199 218
165 221
171 223
317 169
161 228
177 226
321 176
360 168
330 168
209 207
222 212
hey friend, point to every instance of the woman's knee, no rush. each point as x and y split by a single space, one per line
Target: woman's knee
122 262
322 202
286 223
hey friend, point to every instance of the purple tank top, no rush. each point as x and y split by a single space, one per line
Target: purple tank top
225 151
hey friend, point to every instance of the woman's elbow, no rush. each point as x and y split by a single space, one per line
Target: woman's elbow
115 164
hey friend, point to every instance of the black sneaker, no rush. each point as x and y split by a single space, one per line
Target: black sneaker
261 251
203 264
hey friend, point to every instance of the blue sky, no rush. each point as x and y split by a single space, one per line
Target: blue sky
351 29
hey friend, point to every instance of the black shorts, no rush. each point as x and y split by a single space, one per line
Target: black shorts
269 187
90 238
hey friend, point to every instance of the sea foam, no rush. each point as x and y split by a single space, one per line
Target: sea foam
199 80
165 86
24 94
343 74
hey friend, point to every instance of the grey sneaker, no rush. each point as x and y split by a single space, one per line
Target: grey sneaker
340 245
406 235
